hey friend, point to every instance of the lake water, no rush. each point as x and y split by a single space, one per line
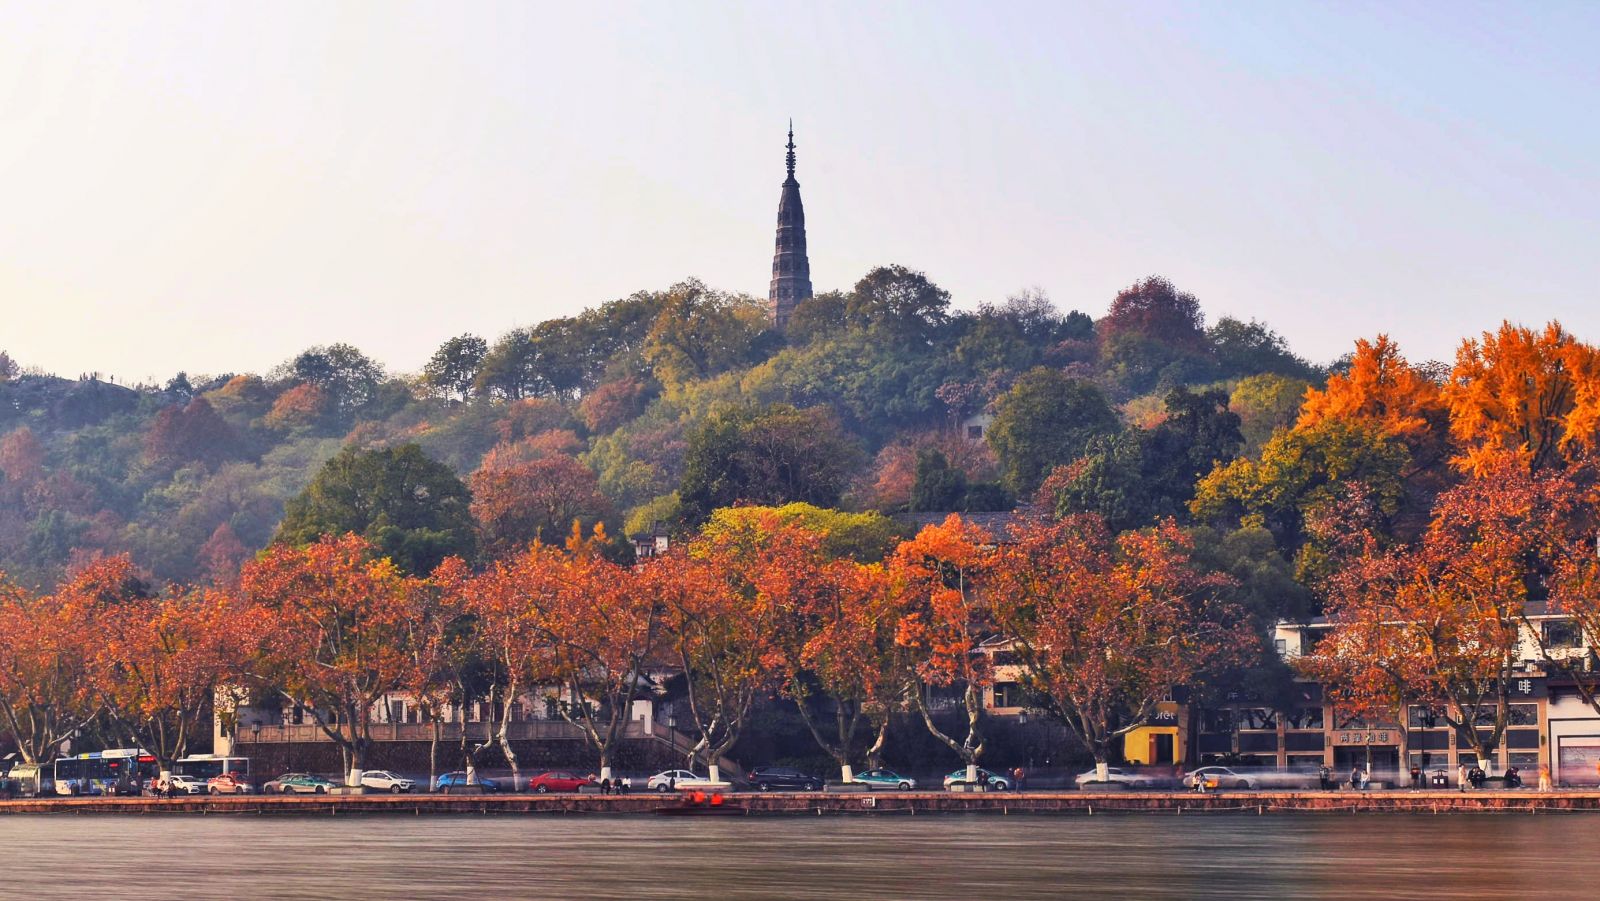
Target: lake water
1296 855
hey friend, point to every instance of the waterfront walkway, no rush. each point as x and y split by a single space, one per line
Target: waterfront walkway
825 803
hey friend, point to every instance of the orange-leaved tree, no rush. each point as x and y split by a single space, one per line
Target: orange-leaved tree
944 614
1532 394
1440 622
440 649
45 693
160 661
1105 626
719 624
604 627
331 635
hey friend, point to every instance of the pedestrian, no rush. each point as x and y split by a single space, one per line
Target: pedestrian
1461 776
1017 778
1416 776
1355 777
1544 777
1325 776
1366 776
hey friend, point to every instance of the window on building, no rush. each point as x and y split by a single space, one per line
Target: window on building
1304 763
1281 646
1004 658
1216 720
1421 716
1007 694
1562 634
1523 760
1485 716
1522 715
1305 718
1259 718
974 432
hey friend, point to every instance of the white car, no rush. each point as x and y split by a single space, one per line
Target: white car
672 780
383 780
1118 775
1219 777
187 785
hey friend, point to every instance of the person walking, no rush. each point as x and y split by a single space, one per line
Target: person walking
1325 776
1416 776
1017 777
1461 776
1544 777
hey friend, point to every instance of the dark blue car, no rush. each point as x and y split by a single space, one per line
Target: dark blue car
458 780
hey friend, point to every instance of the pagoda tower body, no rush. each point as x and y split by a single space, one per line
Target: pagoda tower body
791 269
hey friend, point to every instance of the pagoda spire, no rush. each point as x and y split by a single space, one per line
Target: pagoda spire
791 268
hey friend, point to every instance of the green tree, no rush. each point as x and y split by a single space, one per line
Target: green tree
770 455
451 370
409 506
701 332
939 487
347 375
899 303
1266 403
1045 420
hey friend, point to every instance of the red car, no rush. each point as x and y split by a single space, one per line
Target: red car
558 781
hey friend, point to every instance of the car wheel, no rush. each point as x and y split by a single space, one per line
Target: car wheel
661 788
322 789
215 791
905 786
998 785
444 790
539 790
764 787
394 789
813 787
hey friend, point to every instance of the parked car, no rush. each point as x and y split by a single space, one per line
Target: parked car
1130 778
991 781
300 784
773 778
187 785
458 780
558 781
882 778
668 780
1219 777
383 780
228 784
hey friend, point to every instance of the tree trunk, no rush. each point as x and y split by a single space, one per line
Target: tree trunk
504 734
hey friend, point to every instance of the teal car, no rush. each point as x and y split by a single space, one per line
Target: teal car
882 778
300 784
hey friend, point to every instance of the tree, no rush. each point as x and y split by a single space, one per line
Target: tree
1045 420
769 455
1536 395
605 628
159 662
1251 348
834 636
453 368
413 509
1264 404
866 537
1143 475
939 487
8 367
1382 390
895 469
332 633
718 625
944 612
1105 626
1154 308
700 332
193 433
898 304
1439 622
349 377
522 501
439 643
46 695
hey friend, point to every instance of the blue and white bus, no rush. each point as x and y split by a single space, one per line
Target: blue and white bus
104 772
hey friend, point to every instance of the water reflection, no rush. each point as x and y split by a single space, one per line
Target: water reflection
964 857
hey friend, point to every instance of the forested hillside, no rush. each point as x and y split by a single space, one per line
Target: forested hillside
666 405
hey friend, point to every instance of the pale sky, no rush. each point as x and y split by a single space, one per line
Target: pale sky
215 186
